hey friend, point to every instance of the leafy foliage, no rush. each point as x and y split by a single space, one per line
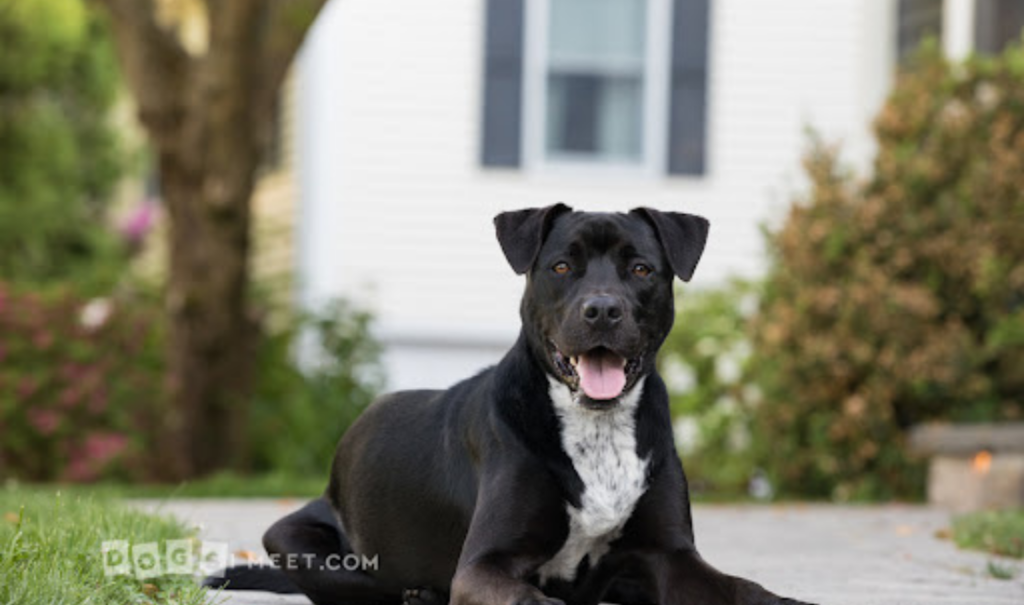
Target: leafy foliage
82 388
80 385
901 299
997 532
299 413
59 155
706 365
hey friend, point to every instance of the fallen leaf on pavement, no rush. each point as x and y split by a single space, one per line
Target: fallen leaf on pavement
247 555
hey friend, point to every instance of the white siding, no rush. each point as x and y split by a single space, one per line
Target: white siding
397 211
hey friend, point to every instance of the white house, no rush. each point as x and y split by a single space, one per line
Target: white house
419 121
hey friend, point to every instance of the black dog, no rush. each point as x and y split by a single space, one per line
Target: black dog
550 477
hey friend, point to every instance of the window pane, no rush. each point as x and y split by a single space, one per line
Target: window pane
602 31
595 79
595 116
997 24
918 19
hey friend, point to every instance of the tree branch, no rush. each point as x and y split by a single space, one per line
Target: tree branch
153 60
232 62
287 23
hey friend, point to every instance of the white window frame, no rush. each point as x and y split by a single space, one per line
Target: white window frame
657 70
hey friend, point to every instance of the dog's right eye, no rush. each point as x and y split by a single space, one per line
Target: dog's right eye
561 268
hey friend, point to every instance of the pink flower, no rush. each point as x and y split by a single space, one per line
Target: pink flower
70 371
26 388
139 222
90 458
79 471
99 401
104 446
69 397
44 421
43 339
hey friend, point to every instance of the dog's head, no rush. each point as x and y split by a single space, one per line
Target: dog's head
599 300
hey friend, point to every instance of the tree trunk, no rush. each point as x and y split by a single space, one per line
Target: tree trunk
208 113
207 178
211 336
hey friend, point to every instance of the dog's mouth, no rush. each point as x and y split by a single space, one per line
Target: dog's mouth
600 373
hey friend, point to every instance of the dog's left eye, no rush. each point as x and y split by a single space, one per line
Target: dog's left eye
642 270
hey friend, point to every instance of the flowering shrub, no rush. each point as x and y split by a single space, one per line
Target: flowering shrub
80 386
901 299
81 394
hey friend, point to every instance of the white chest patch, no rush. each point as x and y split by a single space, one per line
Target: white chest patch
602 448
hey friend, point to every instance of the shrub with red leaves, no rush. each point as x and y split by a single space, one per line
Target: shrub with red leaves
80 386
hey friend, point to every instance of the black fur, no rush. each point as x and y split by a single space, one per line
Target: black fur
257 577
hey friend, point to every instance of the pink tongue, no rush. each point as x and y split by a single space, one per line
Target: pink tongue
602 375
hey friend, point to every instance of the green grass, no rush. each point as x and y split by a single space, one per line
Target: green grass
997 532
221 485
230 485
50 551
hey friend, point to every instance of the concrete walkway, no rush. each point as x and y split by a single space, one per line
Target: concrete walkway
832 555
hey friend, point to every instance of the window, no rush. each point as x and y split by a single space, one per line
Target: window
917 20
588 83
997 24
592 77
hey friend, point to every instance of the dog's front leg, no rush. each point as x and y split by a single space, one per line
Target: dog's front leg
682 577
512 533
493 583
660 535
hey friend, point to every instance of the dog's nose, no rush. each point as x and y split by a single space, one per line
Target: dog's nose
602 310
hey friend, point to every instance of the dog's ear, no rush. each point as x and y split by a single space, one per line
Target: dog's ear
682 236
521 233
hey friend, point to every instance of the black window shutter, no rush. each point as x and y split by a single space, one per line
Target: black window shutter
996 24
688 87
503 83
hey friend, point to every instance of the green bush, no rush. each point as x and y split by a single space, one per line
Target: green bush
80 384
299 413
80 371
60 156
900 299
82 391
706 365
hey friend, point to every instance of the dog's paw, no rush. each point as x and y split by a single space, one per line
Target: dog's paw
423 596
